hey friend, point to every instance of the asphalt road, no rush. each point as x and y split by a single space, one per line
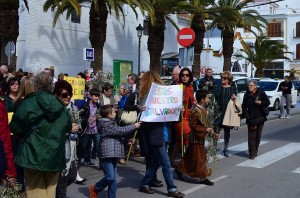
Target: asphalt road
275 173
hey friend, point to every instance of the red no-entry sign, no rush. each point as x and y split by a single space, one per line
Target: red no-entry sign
186 37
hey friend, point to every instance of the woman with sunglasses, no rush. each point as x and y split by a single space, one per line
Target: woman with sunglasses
186 79
63 91
223 93
11 93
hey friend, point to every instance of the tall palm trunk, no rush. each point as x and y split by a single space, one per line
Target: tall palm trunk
199 29
156 41
228 37
259 71
98 24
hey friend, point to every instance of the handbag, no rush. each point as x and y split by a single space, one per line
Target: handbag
129 117
3 161
264 111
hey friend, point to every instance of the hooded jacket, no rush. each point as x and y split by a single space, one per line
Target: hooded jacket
41 121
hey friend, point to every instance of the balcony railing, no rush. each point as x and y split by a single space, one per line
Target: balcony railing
273 34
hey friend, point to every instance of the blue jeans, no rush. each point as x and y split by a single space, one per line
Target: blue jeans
156 158
87 143
109 166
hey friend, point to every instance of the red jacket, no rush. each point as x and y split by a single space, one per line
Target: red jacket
6 139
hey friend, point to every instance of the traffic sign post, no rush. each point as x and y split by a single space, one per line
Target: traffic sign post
88 54
186 37
10 49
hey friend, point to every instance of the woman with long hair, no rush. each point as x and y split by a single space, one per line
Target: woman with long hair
223 93
182 127
155 143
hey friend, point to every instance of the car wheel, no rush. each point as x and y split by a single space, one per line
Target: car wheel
276 105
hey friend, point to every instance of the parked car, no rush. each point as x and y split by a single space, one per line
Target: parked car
297 85
271 87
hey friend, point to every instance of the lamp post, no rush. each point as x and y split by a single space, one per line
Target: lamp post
139 30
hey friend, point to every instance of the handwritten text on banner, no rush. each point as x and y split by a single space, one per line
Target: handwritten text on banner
163 103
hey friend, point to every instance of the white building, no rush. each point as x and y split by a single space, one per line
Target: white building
284 25
41 45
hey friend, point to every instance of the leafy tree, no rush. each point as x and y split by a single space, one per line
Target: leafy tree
159 12
98 19
228 18
264 52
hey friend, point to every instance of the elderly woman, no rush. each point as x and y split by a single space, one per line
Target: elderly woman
106 96
253 105
223 93
41 121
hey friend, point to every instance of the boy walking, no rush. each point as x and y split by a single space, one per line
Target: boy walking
111 149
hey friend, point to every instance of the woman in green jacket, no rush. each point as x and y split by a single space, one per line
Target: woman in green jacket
41 121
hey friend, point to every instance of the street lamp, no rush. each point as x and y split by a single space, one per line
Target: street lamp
139 30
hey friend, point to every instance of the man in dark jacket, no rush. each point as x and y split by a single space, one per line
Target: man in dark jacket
286 99
206 83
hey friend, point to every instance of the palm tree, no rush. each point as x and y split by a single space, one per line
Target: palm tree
98 20
264 52
159 12
200 12
231 17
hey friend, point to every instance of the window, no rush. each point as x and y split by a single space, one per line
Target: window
74 17
298 29
274 30
298 51
247 28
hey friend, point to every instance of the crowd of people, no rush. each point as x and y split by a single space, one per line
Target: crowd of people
51 135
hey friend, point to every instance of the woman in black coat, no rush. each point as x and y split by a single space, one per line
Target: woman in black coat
255 109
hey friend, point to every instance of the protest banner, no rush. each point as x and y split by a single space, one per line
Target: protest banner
78 85
163 104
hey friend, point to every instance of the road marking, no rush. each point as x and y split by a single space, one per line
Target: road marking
272 156
239 148
297 170
198 187
187 36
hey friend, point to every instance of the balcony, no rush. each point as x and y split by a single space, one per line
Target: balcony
273 34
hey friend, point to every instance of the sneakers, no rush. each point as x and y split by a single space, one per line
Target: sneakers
176 194
282 117
287 117
93 194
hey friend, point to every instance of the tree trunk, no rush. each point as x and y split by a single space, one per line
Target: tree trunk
98 24
198 26
227 36
156 41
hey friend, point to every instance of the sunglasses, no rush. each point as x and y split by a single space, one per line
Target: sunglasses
225 78
65 95
185 75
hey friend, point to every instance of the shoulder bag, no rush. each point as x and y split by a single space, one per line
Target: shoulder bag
129 117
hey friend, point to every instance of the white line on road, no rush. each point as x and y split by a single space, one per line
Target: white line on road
239 148
186 36
297 170
198 187
272 156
